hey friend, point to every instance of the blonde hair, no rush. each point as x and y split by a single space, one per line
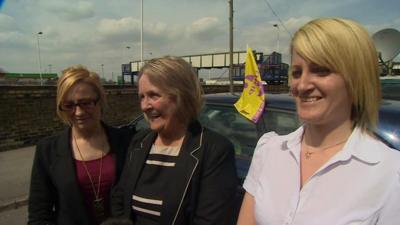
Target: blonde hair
73 75
177 78
344 46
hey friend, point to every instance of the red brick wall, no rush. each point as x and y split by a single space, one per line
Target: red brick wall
28 113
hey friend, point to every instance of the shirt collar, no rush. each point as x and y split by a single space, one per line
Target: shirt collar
360 145
292 142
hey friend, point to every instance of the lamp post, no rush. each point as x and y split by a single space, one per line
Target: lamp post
40 60
141 36
230 3
127 49
277 39
102 70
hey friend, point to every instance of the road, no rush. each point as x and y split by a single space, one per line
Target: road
15 172
14 216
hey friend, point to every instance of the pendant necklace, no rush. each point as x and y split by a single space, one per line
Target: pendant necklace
308 154
98 202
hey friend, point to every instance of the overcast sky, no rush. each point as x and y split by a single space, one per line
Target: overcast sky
96 32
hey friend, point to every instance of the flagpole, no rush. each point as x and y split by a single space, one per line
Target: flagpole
230 2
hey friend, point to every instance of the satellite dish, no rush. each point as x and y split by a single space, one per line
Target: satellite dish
387 42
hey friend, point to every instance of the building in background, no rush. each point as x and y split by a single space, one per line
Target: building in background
28 78
273 71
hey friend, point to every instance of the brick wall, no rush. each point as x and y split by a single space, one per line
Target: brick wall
28 113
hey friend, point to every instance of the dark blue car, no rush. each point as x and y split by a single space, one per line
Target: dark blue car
390 87
280 116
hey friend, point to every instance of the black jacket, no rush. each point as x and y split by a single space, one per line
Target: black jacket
54 196
203 193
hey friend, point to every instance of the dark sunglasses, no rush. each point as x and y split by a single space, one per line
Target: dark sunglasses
83 104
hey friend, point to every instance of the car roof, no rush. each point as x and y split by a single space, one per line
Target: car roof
389 112
285 101
389 79
391 105
277 101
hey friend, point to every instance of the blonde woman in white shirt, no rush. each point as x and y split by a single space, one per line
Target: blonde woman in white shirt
332 170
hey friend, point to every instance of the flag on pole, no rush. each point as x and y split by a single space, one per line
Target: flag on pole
251 102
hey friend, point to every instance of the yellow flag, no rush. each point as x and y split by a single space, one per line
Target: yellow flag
251 102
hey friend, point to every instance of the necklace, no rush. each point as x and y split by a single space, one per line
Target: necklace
98 202
309 153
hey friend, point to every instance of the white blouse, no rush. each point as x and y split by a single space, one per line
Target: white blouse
359 185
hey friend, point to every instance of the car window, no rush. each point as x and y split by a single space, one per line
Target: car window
390 90
280 121
226 121
244 134
142 123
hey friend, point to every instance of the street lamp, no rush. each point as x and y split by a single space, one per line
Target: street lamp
141 36
127 49
277 39
40 60
123 65
102 70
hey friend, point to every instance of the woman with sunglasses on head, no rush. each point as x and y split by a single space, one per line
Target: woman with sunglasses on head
73 171
332 170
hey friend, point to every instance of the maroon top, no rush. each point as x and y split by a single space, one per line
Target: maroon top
106 182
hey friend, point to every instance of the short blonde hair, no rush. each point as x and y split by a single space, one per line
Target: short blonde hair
345 47
177 78
73 75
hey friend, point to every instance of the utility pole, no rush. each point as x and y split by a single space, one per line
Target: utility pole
40 60
102 71
277 39
141 36
230 2
127 49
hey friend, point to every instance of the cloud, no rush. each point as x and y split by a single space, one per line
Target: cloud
7 23
161 33
15 39
206 28
117 27
263 37
127 30
372 28
124 30
71 11
161 38
177 27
